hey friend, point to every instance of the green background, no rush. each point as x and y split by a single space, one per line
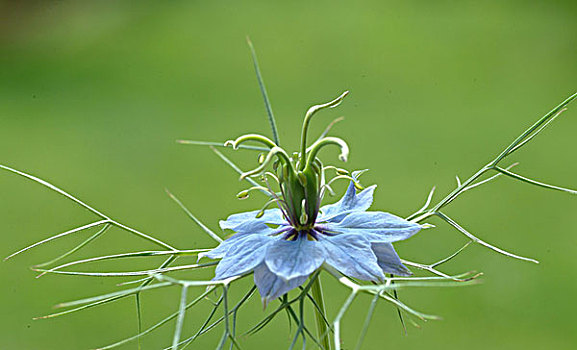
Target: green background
94 94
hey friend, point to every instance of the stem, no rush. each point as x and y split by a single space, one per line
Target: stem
322 331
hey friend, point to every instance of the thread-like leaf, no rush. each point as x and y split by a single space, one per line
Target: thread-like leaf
221 144
481 242
77 248
194 218
267 104
533 182
60 235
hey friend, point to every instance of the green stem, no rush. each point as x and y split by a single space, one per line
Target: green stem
322 331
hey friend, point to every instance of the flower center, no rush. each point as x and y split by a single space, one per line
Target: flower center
300 178
294 234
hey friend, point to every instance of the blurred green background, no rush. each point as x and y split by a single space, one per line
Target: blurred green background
93 95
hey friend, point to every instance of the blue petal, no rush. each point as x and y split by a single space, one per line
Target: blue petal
247 222
388 259
246 253
377 226
292 259
350 202
270 286
220 251
352 255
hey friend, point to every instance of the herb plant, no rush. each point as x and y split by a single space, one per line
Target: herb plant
287 248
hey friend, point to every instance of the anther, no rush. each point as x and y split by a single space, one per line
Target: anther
261 158
243 194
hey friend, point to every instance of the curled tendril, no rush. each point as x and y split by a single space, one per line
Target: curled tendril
250 137
316 147
311 111
275 151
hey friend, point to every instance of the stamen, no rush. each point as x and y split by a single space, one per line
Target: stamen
244 194
275 151
356 183
339 171
283 206
327 186
261 158
319 230
266 205
282 230
268 173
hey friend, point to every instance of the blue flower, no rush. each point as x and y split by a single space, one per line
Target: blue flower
282 254
284 246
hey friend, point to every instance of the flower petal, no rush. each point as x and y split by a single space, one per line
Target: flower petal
243 256
292 259
377 226
388 259
222 249
352 255
350 202
270 286
247 222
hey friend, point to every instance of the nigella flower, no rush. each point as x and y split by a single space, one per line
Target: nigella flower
285 245
345 236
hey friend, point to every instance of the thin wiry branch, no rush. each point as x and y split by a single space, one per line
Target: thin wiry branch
60 235
105 218
367 322
237 169
533 182
468 276
477 184
519 142
194 218
159 324
380 290
205 328
126 255
180 319
480 241
76 248
221 144
130 273
425 206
